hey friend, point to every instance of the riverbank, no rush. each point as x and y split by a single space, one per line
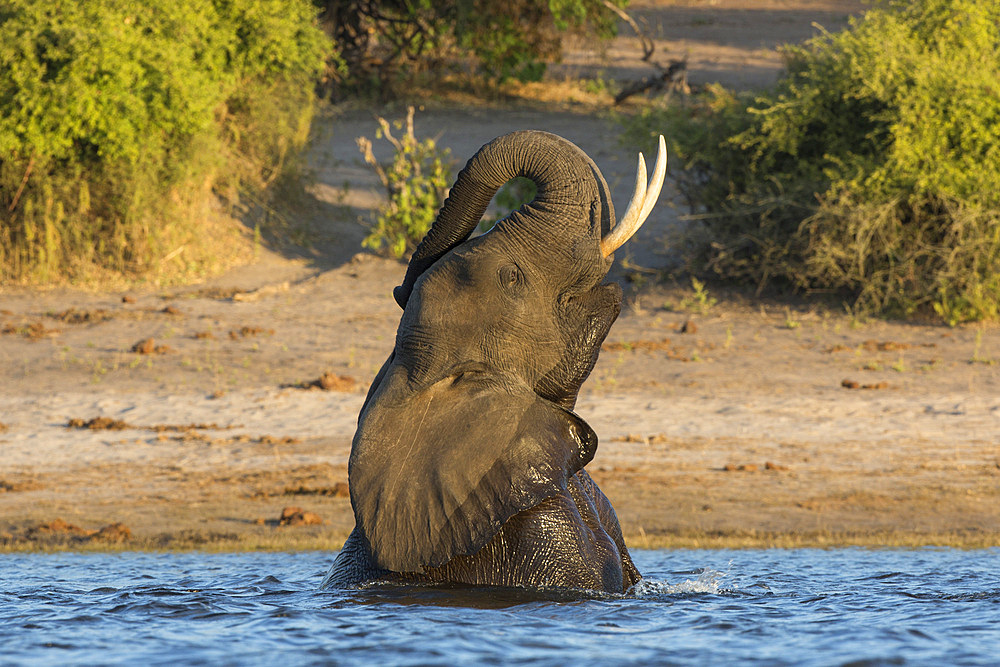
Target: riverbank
724 421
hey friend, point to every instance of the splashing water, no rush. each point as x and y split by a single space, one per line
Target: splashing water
708 581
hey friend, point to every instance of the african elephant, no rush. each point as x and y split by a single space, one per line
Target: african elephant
468 462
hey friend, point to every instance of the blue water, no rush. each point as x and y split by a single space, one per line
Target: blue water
801 607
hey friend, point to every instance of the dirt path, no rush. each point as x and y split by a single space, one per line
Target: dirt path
723 420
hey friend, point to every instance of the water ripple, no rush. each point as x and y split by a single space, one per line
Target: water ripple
802 607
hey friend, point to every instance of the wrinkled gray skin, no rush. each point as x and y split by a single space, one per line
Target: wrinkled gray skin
467 465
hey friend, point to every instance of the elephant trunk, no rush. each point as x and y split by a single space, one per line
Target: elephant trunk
572 209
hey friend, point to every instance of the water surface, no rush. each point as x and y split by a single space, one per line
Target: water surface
802 607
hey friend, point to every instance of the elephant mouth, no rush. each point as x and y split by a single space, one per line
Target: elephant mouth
463 370
466 368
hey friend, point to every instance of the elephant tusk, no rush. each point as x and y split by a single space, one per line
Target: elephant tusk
643 199
621 233
656 182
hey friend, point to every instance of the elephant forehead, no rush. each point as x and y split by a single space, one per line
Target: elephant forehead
480 256
519 239
466 289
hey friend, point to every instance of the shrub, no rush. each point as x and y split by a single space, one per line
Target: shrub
117 119
511 196
873 167
387 40
416 183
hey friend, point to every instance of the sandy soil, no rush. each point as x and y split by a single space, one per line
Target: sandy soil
724 419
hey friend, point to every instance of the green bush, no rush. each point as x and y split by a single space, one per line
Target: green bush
511 196
416 183
388 41
872 168
117 119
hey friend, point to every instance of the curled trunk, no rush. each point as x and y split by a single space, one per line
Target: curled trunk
572 209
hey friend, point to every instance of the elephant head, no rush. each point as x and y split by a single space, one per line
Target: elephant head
470 421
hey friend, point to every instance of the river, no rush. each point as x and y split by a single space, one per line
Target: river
770 607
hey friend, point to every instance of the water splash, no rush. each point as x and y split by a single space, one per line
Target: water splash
708 581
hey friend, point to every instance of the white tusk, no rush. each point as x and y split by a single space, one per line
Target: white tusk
617 236
656 182
642 202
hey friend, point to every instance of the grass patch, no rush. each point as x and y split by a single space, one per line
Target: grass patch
284 539
752 539
281 539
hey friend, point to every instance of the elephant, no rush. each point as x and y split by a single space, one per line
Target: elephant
467 466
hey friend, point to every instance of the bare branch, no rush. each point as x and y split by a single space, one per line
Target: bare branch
647 44
673 77
24 182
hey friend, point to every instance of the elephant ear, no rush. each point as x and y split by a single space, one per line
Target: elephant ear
436 476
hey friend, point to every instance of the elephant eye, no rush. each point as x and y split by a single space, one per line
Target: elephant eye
510 278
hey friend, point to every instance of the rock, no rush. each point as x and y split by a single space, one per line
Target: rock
332 382
149 346
296 516
306 519
246 332
15 487
288 512
328 381
851 384
274 440
98 424
74 316
60 526
113 532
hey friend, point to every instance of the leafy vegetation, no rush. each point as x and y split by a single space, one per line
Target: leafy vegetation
511 196
386 41
872 168
416 183
699 302
118 120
